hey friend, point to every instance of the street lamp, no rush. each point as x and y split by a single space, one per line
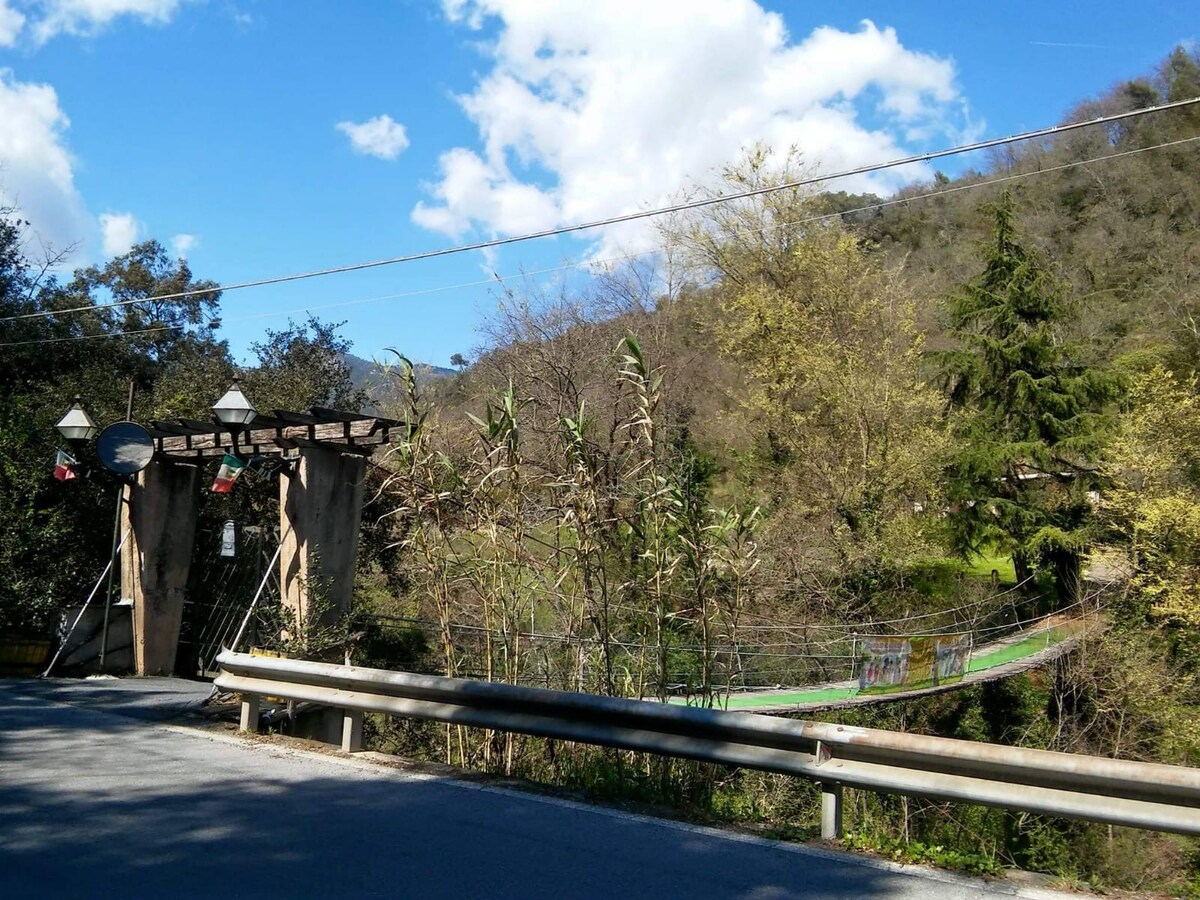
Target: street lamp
234 410
76 425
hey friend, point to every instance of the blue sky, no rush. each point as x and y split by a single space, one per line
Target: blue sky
249 135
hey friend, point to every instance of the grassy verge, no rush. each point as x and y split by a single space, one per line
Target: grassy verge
985 563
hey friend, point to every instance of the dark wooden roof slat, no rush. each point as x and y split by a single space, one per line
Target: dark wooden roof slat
199 426
295 418
169 429
186 427
325 414
264 421
349 447
382 424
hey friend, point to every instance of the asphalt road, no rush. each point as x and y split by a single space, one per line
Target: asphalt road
99 797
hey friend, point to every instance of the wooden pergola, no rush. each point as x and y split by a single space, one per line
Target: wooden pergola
321 496
186 440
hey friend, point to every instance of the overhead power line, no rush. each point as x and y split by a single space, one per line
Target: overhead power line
627 217
871 207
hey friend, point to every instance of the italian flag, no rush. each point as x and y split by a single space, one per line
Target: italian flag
64 466
231 468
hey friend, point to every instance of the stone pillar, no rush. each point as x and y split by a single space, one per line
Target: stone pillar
320 509
161 520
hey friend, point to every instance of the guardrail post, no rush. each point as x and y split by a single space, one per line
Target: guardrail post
352 724
831 811
249 713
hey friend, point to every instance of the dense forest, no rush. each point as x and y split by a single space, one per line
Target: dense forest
811 415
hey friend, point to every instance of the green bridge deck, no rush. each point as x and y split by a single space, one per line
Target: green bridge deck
991 656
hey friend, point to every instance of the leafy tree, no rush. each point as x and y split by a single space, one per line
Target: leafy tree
836 392
1030 423
1155 501
824 350
301 366
135 280
54 538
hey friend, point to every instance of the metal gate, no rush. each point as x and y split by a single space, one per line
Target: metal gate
224 578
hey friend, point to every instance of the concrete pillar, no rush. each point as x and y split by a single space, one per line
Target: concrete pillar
320 509
161 519
250 711
352 730
831 811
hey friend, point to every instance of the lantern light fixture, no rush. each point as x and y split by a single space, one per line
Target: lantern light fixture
234 410
76 425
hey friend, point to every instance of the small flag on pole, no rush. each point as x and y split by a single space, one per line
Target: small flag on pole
64 466
231 468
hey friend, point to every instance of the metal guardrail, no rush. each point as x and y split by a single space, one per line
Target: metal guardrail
1118 792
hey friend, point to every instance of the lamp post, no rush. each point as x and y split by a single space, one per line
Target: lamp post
78 427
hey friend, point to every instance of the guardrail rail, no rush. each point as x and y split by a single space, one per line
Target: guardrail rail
1114 791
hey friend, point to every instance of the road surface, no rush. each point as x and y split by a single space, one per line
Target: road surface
99 797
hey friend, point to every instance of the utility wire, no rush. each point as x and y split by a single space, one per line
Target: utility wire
871 207
629 217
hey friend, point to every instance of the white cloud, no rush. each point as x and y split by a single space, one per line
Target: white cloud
183 244
36 168
83 17
36 175
119 232
11 22
47 18
597 109
381 137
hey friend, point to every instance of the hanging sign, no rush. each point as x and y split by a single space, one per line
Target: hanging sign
229 539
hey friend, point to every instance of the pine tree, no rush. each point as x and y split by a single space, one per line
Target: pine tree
1030 420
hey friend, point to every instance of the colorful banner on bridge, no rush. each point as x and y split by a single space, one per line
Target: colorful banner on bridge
894 664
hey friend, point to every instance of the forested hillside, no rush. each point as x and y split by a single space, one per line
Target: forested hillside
794 418
813 415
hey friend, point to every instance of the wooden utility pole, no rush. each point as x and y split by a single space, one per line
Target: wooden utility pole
116 538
